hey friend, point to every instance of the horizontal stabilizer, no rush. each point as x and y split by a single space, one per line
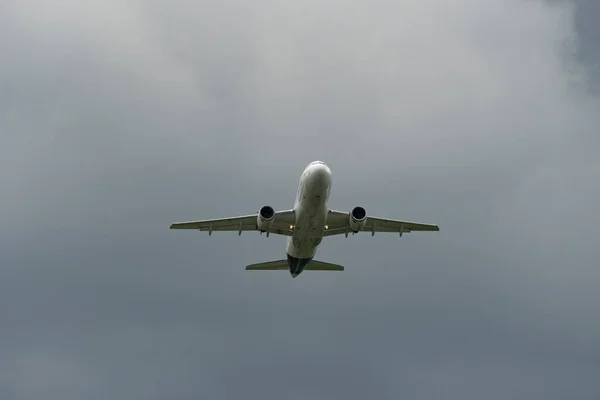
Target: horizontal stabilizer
278 265
282 265
322 266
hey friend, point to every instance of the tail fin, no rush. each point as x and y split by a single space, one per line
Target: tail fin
282 265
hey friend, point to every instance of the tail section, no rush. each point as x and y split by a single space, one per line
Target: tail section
282 265
278 265
322 266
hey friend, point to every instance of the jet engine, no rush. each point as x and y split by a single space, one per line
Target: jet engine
265 218
358 219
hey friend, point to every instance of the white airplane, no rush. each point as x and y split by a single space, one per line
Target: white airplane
306 224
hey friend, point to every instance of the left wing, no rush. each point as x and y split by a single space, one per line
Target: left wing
281 224
338 223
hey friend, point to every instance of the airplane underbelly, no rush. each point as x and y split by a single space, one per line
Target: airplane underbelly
311 215
308 232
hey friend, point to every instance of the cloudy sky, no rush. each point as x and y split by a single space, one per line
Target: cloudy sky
118 119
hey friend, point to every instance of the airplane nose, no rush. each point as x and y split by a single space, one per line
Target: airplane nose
322 171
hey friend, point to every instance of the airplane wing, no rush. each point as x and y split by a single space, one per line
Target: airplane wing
281 224
337 223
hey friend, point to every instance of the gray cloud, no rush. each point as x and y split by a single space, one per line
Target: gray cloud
118 120
588 45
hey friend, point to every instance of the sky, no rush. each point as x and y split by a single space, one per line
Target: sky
117 119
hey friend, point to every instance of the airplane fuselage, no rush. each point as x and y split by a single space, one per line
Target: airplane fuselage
311 211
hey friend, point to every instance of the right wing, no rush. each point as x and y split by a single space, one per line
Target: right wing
281 224
337 222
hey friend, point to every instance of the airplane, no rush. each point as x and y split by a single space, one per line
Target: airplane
306 224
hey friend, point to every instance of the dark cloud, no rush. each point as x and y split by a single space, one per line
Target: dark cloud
589 40
118 120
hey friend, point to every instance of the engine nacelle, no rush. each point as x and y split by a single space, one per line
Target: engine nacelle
358 218
265 218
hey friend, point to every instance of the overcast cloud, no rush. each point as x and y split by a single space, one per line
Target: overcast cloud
118 119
